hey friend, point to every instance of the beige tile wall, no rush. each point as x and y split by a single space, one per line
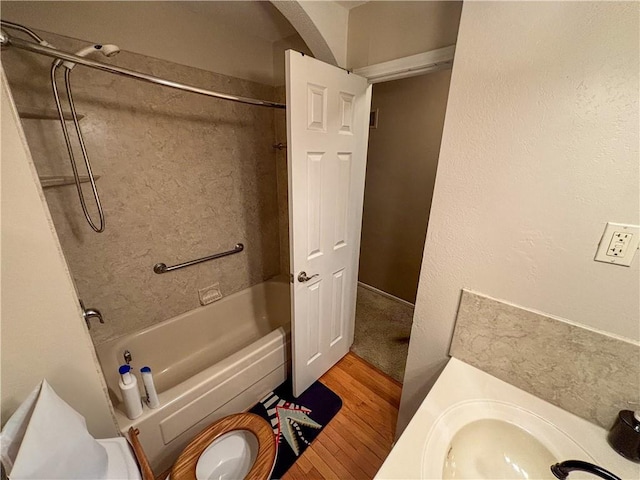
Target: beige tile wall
588 373
182 176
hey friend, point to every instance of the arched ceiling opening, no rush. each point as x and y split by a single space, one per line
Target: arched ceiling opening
299 18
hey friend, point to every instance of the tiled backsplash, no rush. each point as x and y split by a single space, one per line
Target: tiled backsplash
585 372
181 176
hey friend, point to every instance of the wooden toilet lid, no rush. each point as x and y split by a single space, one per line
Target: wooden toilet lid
185 466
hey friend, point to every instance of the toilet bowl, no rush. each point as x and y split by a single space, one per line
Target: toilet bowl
235 447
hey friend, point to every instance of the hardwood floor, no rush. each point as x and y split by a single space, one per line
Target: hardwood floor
358 439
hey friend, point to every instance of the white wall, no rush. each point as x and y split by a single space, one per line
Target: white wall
43 334
385 30
294 42
539 151
401 170
322 24
332 20
235 40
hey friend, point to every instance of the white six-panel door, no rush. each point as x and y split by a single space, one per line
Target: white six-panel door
327 133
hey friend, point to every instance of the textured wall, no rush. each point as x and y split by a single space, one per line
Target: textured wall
43 335
585 372
182 176
294 42
382 31
539 151
401 170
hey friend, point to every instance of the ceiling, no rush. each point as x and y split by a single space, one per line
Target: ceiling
349 4
259 19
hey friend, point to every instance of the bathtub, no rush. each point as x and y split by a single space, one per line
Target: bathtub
207 363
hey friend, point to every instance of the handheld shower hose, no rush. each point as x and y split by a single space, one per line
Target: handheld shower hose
107 50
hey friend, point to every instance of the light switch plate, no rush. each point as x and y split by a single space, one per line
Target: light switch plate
618 244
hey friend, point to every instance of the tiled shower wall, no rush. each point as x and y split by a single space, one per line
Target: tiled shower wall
181 176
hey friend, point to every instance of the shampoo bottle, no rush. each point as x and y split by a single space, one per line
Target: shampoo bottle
149 387
130 393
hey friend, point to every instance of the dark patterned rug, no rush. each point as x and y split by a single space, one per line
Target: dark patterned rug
298 421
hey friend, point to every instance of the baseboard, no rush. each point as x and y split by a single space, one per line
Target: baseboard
385 294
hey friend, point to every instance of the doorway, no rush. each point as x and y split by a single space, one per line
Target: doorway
406 126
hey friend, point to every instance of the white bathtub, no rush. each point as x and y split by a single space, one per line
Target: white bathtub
207 363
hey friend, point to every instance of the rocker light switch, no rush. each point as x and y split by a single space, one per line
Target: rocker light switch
618 244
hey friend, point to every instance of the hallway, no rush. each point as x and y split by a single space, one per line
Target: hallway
383 326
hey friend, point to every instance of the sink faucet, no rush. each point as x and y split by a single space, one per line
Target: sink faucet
89 313
561 470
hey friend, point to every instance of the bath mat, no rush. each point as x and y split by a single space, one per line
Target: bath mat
298 421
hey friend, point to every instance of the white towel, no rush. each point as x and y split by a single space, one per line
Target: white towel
47 439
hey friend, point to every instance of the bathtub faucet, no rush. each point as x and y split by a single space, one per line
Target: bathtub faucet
561 470
89 313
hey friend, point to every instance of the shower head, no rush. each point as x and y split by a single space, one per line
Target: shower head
108 50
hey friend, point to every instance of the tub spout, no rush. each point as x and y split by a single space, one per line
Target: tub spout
561 470
89 313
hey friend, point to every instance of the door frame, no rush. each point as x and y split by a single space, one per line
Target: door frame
411 66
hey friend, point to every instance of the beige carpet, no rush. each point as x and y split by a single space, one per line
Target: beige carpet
382 332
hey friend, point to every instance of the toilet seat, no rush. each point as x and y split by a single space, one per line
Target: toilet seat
185 466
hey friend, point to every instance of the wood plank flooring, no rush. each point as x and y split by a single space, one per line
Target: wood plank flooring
358 439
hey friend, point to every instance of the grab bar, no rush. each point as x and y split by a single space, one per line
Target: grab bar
162 268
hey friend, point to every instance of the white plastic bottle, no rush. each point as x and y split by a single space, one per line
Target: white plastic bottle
149 387
130 393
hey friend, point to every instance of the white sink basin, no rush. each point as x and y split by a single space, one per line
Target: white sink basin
473 425
496 449
492 439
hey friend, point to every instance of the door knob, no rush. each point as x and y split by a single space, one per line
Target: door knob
302 277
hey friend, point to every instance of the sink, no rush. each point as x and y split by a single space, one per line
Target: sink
496 449
495 439
473 425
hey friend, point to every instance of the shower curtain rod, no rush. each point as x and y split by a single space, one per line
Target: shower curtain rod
10 41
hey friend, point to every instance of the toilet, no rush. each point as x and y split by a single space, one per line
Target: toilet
235 447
